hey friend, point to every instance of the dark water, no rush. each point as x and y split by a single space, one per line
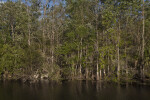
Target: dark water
74 90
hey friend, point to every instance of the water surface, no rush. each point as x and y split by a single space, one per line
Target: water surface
73 90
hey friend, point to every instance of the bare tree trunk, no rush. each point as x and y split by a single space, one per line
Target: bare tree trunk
97 71
126 60
53 39
87 73
80 69
97 44
118 54
44 27
73 74
104 73
97 65
100 74
87 70
143 42
76 70
108 63
12 32
29 32
126 66
77 66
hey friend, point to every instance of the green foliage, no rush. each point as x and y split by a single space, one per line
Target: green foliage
81 31
16 55
32 58
11 58
71 38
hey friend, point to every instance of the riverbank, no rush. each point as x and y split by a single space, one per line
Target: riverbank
38 80
37 77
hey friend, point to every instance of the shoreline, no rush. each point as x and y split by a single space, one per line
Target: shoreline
36 81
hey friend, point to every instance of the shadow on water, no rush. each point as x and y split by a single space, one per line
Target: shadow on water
72 90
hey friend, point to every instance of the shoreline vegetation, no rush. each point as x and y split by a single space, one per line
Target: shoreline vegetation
98 40
61 81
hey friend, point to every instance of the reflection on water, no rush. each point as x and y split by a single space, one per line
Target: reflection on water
73 90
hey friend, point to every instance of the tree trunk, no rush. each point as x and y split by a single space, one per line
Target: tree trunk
97 45
87 73
12 32
29 32
53 39
100 74
80 69
143 43
126 66
118 54
97 71
44 28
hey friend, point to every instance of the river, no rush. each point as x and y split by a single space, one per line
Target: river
72 90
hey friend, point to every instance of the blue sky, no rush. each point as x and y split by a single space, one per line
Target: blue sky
43 1
11 0
17 0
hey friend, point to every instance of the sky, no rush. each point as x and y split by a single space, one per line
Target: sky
44 1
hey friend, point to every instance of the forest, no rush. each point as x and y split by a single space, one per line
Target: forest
103 40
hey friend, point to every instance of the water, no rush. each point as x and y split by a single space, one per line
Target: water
74 90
